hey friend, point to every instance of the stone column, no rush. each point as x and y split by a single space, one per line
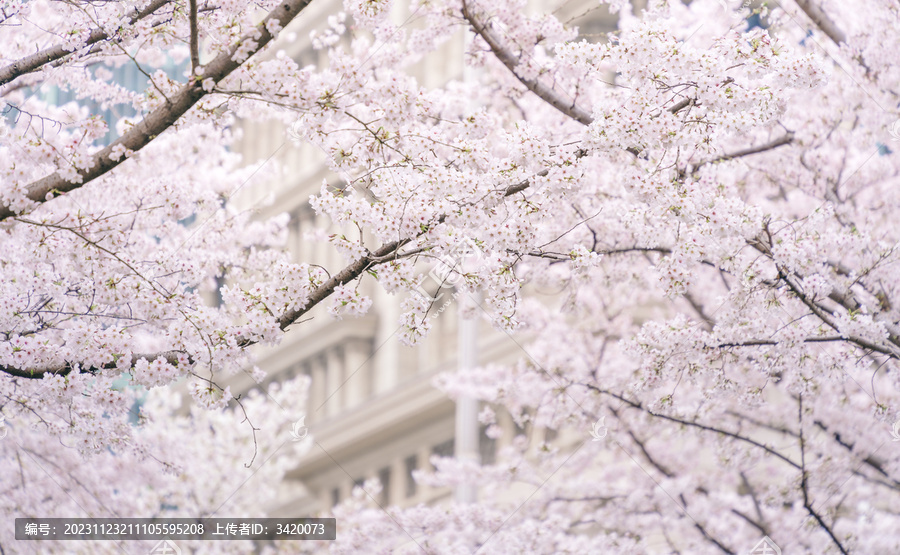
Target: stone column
386 362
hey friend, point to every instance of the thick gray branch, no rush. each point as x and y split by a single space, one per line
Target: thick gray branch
67 367
195 39
512 62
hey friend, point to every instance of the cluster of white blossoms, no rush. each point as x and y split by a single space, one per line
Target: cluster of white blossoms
347 301
209 395
688 224
153 374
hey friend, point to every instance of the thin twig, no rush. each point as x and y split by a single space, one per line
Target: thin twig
195 40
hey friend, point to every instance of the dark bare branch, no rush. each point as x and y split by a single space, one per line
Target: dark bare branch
511 61
786 139
195 39
804 482
67 367
690 423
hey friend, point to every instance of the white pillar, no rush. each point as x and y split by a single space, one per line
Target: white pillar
386 362
466 444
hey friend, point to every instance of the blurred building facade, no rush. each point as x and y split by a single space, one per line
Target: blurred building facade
372 408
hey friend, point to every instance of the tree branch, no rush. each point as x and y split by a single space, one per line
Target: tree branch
165 116
321 293
195 39
766 342
346 275
889 349
639 406
821 19
786 139
547 94
869 461
48 55
384 254
804 484
762 524
624 250
511 62
67 367
707 536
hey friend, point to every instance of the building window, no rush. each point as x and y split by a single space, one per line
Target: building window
335 496
295 235
523 430
550 434
359 483
444 449
292 371
411 463
220 283
384 476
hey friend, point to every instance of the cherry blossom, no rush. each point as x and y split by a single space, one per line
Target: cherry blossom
688 226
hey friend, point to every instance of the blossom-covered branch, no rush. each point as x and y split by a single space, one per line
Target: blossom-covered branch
162 118
46 56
